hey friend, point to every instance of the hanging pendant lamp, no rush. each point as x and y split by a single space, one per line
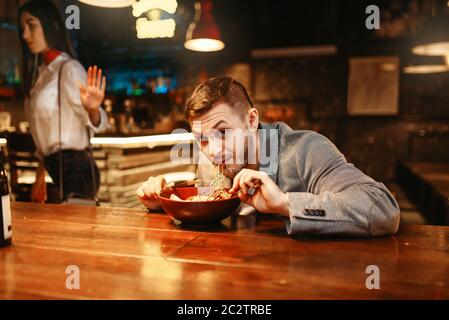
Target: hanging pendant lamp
203 34
433 38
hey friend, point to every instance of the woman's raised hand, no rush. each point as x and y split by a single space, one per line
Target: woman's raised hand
92 94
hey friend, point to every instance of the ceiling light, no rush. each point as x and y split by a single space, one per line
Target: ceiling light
433 38
203 33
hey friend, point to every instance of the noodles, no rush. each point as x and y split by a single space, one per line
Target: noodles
217 191
221 195
198 198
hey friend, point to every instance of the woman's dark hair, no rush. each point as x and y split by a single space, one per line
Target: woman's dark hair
54 32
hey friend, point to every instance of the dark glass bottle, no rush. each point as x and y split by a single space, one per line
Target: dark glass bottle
5 221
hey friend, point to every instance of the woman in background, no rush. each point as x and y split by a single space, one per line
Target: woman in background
46 55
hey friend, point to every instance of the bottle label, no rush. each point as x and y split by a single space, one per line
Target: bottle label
7 228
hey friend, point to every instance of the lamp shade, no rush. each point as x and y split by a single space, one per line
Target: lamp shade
203 33
108 3
433 38
425 64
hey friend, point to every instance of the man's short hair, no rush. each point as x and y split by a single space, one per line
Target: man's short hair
218 89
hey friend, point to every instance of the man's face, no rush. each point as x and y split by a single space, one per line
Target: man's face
225 137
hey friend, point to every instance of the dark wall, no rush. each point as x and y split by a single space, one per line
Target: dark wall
317 88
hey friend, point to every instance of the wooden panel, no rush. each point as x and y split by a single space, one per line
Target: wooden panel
120 161
124 170
132 176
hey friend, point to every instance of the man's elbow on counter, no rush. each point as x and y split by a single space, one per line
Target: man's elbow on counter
384 214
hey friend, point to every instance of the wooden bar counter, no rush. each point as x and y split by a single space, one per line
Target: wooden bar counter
130 254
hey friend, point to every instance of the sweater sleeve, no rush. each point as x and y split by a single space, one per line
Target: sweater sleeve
339 198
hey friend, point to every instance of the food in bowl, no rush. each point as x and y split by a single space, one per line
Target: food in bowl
200 205
223 195
217 190
216 195
176 203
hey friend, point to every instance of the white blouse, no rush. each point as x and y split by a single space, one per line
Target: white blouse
41 108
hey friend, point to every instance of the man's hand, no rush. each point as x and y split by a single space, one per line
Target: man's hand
148 193
39 189
92 94
267 198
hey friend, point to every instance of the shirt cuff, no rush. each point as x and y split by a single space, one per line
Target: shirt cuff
103 125
298 222
318 214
